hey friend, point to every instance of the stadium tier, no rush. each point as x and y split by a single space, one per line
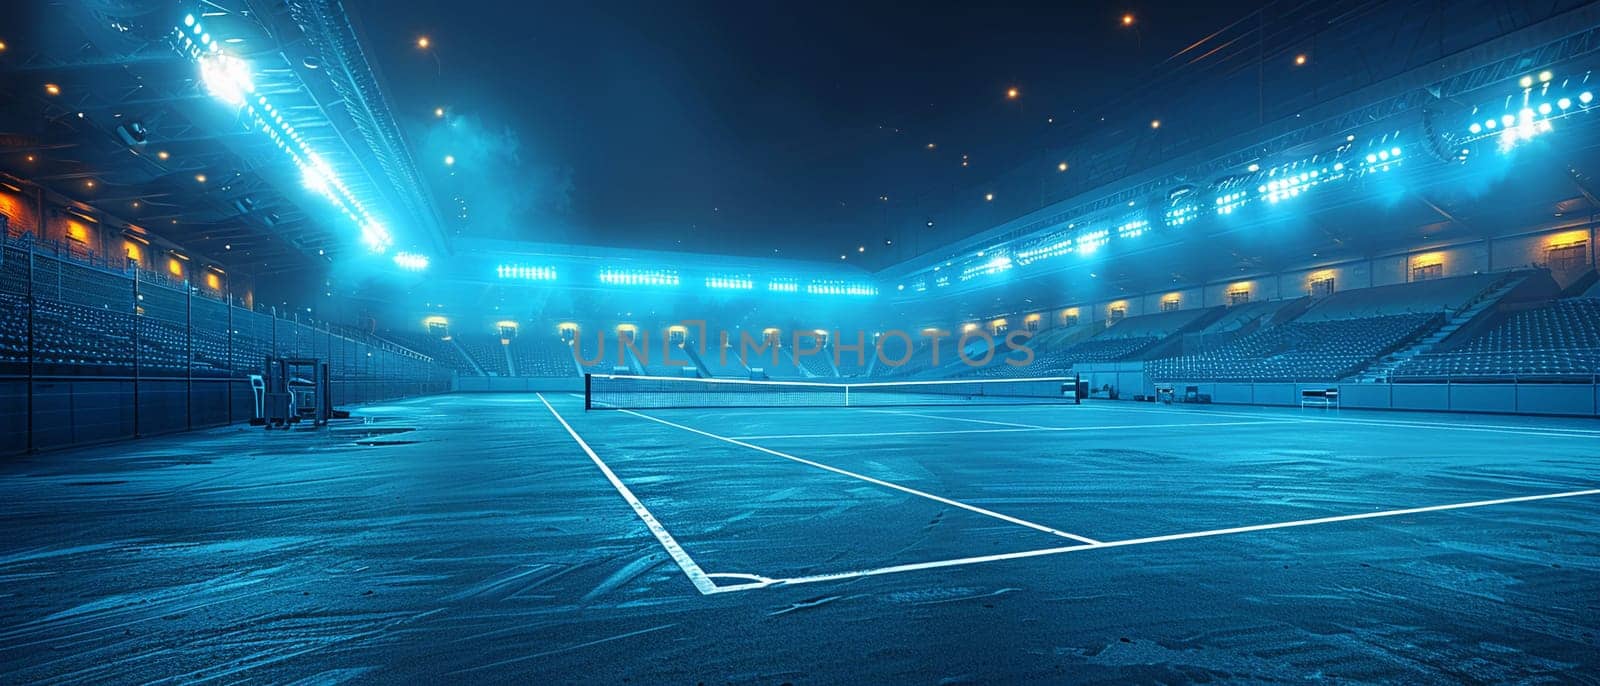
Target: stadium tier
1555 340
1323 350
542 355
487 352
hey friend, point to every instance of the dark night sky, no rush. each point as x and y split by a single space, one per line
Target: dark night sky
744 127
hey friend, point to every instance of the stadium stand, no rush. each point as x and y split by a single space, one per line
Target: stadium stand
776 363
1428 297
442 350
1335 337
487 352
819 364
542 355
851 364
720 361
917 361
1324 350
1558 339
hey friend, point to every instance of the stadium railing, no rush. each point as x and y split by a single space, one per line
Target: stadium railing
92 353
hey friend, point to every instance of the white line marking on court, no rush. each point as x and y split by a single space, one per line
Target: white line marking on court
1114 427
702 582
1141 541
868 479
958 419
1549 432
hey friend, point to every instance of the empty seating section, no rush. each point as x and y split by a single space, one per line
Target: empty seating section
1158 325
1322 350
443 351
90 321
487 351
666 359
722 362
1056 350
543 355
818 364
901 358
851 363
1238 316
1557 339
1422 297
775 361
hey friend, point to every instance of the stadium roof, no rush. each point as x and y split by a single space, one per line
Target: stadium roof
254 132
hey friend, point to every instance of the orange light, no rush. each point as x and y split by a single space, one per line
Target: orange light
89 183
30 158
1061 167
213 281
200 178
423 42
1012 93
1155 123
174 266
1299 60
2 46
162 155
52 89
988 197
1127 19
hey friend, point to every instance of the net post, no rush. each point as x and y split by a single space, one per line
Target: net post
847 395
1077 389
588 391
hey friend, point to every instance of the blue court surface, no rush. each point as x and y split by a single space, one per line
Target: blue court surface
520 537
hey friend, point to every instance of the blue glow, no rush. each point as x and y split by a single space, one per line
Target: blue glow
783 286
638 277
1585 97
230 79
188 20
411 261
740 282
1090 241
833 287
1475 128
995 265
525 273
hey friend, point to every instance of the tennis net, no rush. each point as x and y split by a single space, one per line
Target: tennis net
622 392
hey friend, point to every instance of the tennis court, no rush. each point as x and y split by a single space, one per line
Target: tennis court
748 498
472 535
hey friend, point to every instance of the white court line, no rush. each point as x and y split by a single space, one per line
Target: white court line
958 419
1548 432
697 576
956 562
1113 427
868 479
